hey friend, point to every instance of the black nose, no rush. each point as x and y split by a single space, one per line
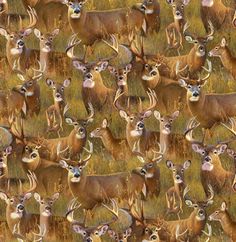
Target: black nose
201 212
48 44
34 155
153 73
201 48
177 13
89 240
121 78
195 94
23 89
168 126
153 237
76 11
20 43
143 171
58 95
178 177
81 130
76 175
48 208
207 159
21 207
89 75
1 159
141 125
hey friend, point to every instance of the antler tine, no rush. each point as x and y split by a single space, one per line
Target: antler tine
116 104
161 153
139 216
114 46
232 129
41 70
209 233
20 22
178 71
72 206
211 27
208 70
8 23
211 196
41 233
33 17
20 186
73 41
33 181
16 67
152 100
192 124
16 232
186 26
90 151
114 210
92 112
186 191
177 234
59 151
136 150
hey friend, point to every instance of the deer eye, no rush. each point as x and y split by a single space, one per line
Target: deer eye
217 48
51 203
150 165
146 230
30 83
97 129
96 233
96 68
189 86
146 66
195 206
70 3
174 170
51 39
42 202
62 88
125 72
41 38
84 233
26 148
215 152
131 119
11 36
171 120
182 170
11 200
199 86
162 120
70 167
80 168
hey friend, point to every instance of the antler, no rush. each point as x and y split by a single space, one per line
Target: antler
137 211
211 195
41 70
33 18
32 181
73 41
114 46
92 112
116 104
152 101
114 210
232 123
72 206
178 234
192 124
211 27
178 71
208 70
134 46
90 151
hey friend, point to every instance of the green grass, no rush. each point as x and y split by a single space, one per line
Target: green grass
101 162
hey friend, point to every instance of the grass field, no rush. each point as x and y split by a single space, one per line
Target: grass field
101 163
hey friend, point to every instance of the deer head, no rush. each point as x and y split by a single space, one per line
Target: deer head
58 89
178 7
166 122
15 203
98 132
3 160
46 40
3 6
75 7
45 204
178 170
220 213
15 39
31 155
135 121
148 6
80 125
194 87
75 171
199 206
220 49
120 237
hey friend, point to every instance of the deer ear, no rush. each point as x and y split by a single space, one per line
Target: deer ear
157 115
26 32
223 42
104 123
128 67
197 148
111 233
8 150
27 196
102 230
55 32
210 38
147 114
102 66
124 115
63 164
21 77
111 69
55 196
230 152
79 65
186 2
67 82
223 206
3 32
175 115
189 39
182 83
50 82
69 121
187 164
222 148
170 164
78 229
4 196
37 33
37 197
128 232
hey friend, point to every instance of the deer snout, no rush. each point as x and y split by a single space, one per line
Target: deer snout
20 207
89 239
154 237
20 43
195 94
207 159
153 73
143 171
140 125
1 160
76 175
143 7
76 10
47 208
33 155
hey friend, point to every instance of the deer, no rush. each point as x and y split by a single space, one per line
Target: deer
222 215
3 162
174 31
45 211
212 172
43 169
102 24
51 13
23 99
118 185
216 12
56 112
15 45
15 209
192 227
175 193
118 148
223 52
93 88
91 233
73 144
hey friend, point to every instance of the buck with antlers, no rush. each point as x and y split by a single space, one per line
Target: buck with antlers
15 210
91 233
15 45
174 31
73 144
56 112
216 12
212 172
174 194
118 148
50 176
223 52
228 225
93 89
23 99
119 185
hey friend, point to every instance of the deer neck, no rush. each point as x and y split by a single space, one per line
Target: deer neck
164 140
44 59
59 106
196 226
77 24
194 61
227 224
179 188
11 58
45 222
197 107
152 84
227 59
108 139
124 90
179 23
